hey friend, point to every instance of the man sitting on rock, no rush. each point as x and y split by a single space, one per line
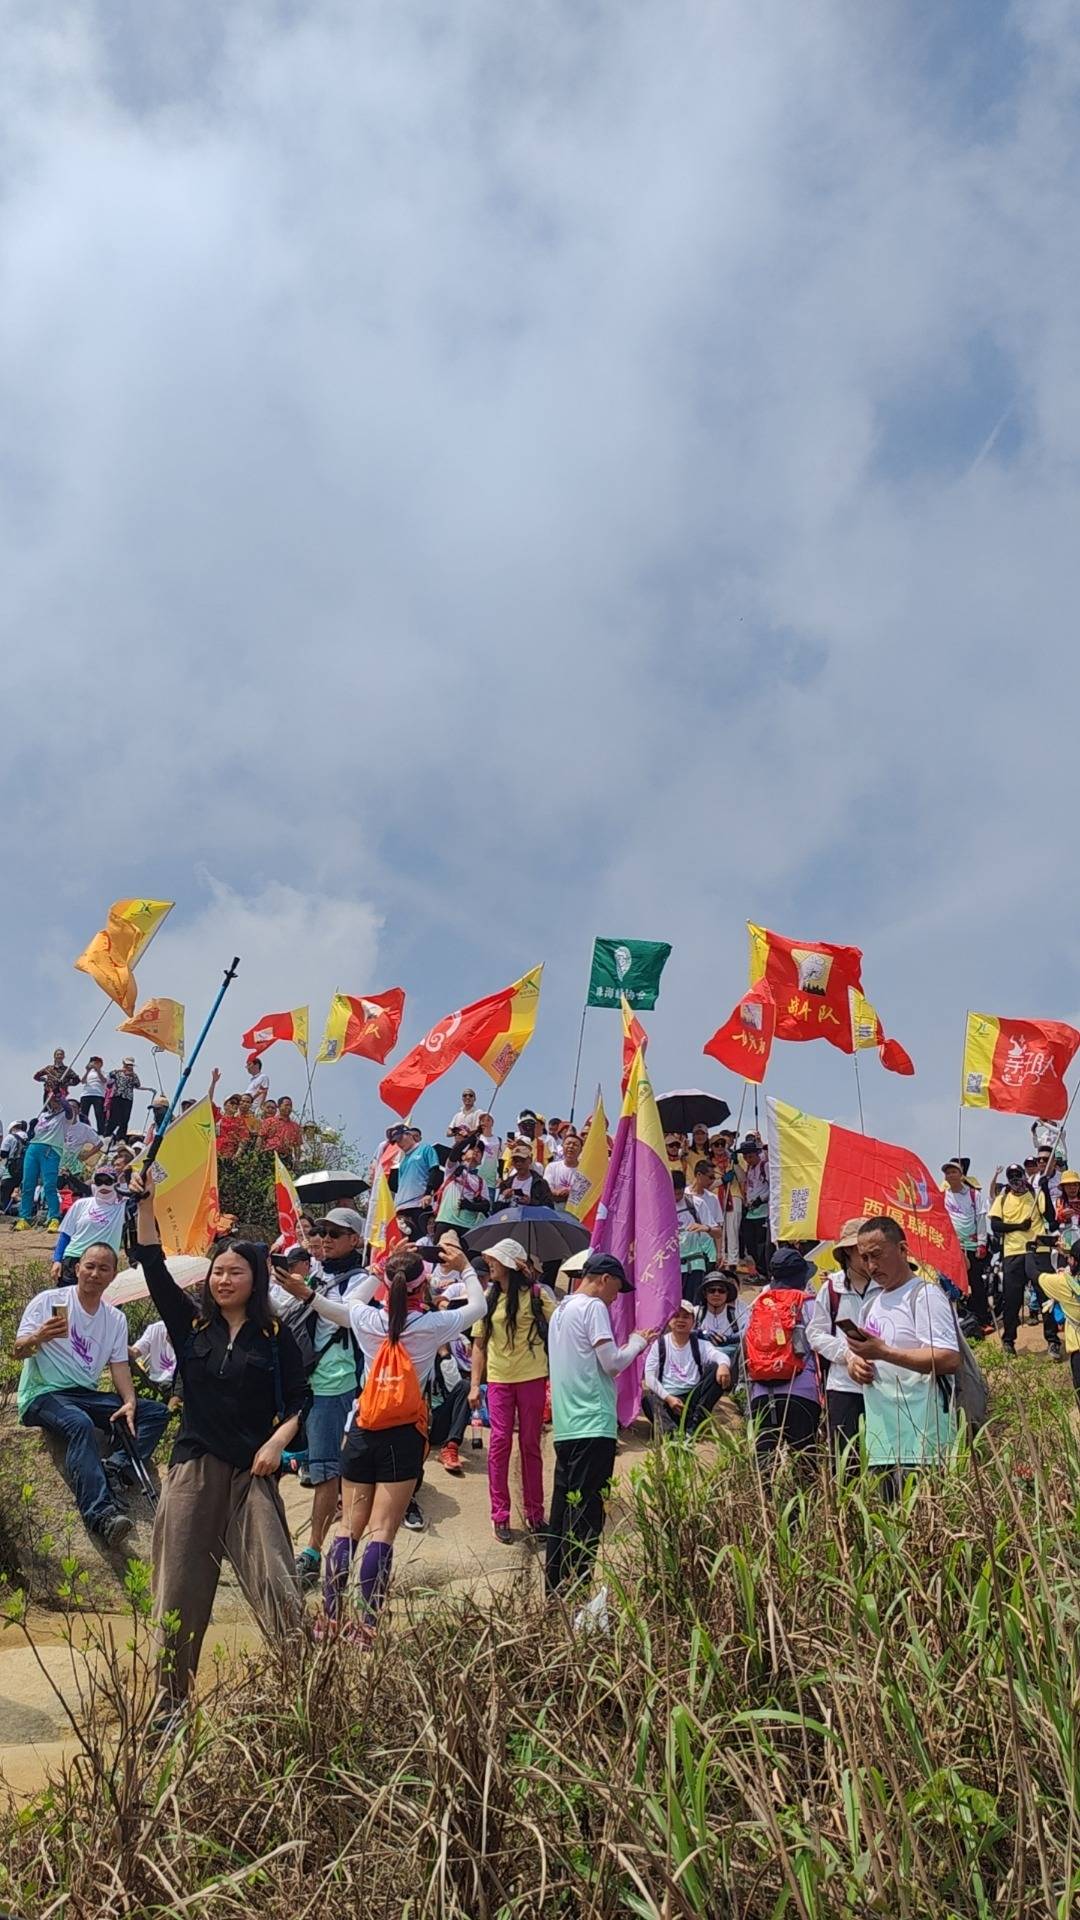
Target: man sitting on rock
67 1337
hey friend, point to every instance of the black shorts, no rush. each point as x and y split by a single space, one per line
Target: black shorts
393 1454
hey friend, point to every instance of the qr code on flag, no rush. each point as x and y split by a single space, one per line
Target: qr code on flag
800 1204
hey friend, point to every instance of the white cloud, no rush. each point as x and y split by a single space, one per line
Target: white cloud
522 473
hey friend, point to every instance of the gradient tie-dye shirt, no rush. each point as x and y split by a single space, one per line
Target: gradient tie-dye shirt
93 1341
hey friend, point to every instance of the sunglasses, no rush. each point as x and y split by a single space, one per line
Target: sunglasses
335 1233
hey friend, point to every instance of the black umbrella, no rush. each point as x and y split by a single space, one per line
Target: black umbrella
544 1232
327 1189
688 1107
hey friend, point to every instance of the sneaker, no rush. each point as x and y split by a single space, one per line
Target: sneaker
503 1535
114 1527
308 1567
52 1226
1009 1346
450 1458
414 1518
538 1533
22 1226
1055 1350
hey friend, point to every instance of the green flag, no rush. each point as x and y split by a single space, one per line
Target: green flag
632 967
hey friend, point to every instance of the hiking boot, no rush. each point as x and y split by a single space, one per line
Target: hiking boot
450 1458
503 1534
114 1527
308 1566
1055 1349
538 1533
1009 1346
414 1518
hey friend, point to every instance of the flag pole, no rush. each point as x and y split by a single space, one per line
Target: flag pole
152 1150
577 1062
858 1087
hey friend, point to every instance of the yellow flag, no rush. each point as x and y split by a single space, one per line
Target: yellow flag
112 953
186 1183
505 1040
595 1155
866 1028
159 1021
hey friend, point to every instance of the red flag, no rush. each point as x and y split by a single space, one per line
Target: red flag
633 1037
822 1176
744 1042
278 1026
1017 1066
810 982
368 1027
449 1038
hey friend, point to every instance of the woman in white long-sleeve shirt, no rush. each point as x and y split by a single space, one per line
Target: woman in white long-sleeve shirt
380 1467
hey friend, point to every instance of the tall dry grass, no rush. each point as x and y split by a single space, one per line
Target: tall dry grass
808 1702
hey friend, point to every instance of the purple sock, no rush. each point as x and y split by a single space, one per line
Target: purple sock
336 1573
375 1574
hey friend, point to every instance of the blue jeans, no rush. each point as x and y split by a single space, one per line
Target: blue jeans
73 1415
41 1163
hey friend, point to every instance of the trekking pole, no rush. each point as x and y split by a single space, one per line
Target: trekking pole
137 1464
152 1150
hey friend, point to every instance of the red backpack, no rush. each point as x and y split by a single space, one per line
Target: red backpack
769 1344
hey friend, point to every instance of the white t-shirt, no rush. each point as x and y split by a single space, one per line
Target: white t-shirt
93 1342
94 1081
706 1206
258 1085
567 1183
471 1121
681 1370
156 1354
582 1394
423 1335
91 1221
906 1419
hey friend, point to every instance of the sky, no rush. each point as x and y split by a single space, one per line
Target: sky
475 479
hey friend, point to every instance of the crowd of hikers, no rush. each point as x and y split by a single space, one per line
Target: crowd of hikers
311 1355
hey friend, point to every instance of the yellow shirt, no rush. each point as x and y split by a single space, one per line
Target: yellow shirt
1063 1288
1025 1209
527 1359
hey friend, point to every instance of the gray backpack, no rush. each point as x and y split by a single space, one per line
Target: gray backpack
970 1387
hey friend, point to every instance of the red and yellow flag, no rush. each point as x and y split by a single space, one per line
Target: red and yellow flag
500 1045
809 982
744 1042
867 1031
594 1162
186 1183
368 1027
821 1176
494 1032
1017 1066
112 953
287 1199
278 1026
383 1230
159 1021
633 1037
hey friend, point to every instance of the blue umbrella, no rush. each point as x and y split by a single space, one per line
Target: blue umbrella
546 1233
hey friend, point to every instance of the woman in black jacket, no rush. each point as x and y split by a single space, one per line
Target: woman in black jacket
244 1395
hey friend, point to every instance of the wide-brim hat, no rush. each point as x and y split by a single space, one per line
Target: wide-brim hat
960 1161
790 1268
729 1282
848 1235
508 1253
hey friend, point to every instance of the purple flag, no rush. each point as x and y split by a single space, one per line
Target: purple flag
636 1222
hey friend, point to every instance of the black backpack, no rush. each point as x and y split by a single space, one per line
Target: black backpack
695 1348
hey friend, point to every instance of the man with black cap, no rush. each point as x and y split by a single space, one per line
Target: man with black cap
966 1208
1018 1221
583 1361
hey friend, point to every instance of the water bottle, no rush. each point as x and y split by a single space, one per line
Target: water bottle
476 1431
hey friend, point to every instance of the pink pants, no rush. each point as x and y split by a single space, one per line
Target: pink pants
526 1401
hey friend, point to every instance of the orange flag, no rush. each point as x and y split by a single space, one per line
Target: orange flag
633 1037
159 1021
112 953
